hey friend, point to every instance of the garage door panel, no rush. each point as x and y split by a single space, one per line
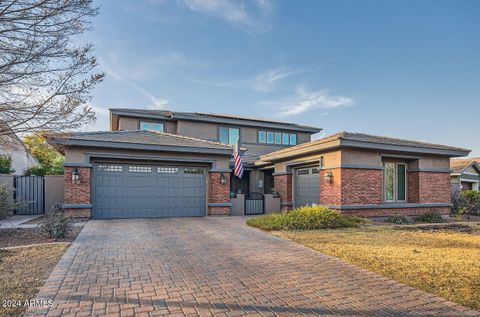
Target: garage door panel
307 186
135 190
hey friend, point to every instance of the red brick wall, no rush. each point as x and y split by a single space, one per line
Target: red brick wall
434 187
395 211
218 193
283 185
413 182
331 192
77 193
361 186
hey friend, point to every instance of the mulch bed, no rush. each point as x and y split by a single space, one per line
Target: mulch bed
27 236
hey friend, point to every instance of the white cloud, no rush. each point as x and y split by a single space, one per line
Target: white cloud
246 13
305 101
155 102
265 81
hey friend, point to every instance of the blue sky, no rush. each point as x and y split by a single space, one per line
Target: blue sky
408 69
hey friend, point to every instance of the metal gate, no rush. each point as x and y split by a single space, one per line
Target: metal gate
254 204
30 192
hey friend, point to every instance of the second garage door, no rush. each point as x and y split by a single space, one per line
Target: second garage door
140 191
307 186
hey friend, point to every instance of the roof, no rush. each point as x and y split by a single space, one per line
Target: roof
367 141
214 118
458 166
147 140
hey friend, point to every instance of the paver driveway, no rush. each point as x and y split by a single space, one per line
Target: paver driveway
217 267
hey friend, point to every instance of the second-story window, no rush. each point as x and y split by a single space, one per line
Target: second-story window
229 135
271 137
151 126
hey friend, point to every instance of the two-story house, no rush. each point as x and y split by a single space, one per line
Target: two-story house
171 164
255 136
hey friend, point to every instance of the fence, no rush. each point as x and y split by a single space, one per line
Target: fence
38 193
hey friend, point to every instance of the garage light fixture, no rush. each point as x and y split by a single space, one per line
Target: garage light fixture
75 176
329 176
223 180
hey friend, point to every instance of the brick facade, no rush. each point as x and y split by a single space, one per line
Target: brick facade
77 193
283 185
218 194
377 212
331 192
361 186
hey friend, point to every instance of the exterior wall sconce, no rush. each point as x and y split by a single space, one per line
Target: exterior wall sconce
223 180
75 176
329 176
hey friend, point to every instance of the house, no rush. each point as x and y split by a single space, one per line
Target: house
465 174
21 157
170 164
364 175
164 163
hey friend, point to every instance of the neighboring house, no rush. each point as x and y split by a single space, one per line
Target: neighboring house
465 174
21 157
172 164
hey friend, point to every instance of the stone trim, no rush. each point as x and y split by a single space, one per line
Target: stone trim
389 206
77 206
79 164
430 170
355 166
219 204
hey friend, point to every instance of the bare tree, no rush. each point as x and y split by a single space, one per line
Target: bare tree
46 78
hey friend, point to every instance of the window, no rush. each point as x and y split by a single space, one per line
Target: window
278 138
110 168
229 136
262 137
167 170
395 181
273 137
139 169
293 139
189 170
151 126
270 137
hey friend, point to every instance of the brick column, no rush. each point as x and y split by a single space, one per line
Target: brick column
331 192
218 194
283 185
77 195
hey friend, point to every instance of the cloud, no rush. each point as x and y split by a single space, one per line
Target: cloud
155 102
265 81
305 101
245 13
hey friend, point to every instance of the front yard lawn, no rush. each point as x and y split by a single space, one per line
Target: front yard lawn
443 262
23 271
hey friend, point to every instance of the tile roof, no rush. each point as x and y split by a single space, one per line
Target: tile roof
365 138
142 137
459 165
200 116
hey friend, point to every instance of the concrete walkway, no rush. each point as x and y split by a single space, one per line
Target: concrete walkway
18 221
217 267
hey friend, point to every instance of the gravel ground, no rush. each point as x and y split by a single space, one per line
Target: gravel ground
18 237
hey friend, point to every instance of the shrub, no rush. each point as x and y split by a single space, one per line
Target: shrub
431 217
305 218
469 202
55 224
36 170
398 220
6 165
7 204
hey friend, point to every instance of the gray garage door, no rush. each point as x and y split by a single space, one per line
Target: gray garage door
138 191
307 186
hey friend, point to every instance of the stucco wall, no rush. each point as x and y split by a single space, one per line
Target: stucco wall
77 155
54 190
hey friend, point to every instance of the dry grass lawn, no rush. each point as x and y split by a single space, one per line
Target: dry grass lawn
444 263
23 271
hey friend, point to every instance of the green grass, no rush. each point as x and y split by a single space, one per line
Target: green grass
305 218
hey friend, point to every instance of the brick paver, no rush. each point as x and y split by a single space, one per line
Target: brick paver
217 267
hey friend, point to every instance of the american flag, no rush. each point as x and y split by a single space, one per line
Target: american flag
237 159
